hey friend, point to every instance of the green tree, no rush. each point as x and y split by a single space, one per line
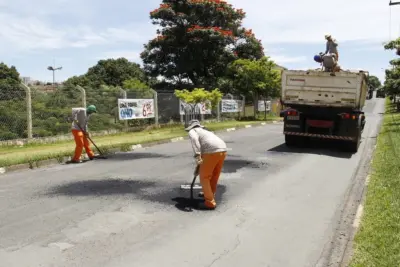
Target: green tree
138 88
393 45
256 78
392 76
81 80
374 82
199 95
197 40
114 72
111 72
10 83
392 81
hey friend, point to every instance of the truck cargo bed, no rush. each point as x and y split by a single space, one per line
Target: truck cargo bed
318 88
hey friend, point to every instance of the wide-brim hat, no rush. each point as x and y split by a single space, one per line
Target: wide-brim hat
192 124
327 36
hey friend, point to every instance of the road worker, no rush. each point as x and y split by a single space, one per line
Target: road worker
331 46
210 153
80 118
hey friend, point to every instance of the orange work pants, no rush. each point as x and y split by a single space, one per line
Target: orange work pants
210 171
81 142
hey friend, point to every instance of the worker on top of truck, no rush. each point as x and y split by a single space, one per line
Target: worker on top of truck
331 46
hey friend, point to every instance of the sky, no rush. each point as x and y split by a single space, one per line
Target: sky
75 34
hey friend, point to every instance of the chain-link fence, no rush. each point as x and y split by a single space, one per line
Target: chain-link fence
45 112
232 107
50 109
168 107
13 113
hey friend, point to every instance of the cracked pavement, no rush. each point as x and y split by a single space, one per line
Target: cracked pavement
277 207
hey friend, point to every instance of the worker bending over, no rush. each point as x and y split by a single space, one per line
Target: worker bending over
80 118
331 46
210 153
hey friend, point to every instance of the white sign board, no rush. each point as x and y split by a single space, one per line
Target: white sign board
200 107
130 109
261 105
231 105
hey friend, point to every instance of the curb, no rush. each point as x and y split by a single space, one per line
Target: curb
60 161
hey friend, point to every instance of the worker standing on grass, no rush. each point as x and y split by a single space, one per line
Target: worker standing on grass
210 153
80 132
331 46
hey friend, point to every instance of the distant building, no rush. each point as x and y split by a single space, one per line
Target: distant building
26 80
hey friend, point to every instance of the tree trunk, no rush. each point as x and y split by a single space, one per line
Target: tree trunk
265 109
192 77
255 104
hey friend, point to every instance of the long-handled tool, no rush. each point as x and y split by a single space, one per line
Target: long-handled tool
195 174
192 186
102 155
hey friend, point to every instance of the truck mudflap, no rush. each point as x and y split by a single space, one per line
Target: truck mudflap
335 137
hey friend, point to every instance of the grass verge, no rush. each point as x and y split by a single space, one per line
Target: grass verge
377 242
13 155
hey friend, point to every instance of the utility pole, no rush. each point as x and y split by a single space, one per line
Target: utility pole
54 69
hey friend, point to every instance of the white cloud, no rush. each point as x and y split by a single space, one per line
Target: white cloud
371 48
282 59
128 54
307 21
29 33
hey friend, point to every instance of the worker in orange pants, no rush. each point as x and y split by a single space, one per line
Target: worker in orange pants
210 154
80 132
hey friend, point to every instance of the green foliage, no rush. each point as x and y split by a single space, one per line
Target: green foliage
392 79
255 77
112 72
197 40
394 44
81 80
377 241
10 83
134 85
200 95
374 82
12 104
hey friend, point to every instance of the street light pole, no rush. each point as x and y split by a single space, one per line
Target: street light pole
393 3
53 69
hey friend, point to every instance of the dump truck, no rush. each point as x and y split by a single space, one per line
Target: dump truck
324 105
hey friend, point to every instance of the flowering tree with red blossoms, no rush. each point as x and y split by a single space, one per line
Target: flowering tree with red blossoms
196 41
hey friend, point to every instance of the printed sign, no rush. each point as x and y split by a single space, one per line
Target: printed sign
201 108
130 109
261 105
231 105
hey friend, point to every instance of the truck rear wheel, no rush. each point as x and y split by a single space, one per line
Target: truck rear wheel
353 146
293 140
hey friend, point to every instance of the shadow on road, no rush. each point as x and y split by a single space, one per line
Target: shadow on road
100 187
235 164
185 204
326 148
135 155
167 194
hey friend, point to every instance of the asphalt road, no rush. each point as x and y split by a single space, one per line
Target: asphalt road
277 206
